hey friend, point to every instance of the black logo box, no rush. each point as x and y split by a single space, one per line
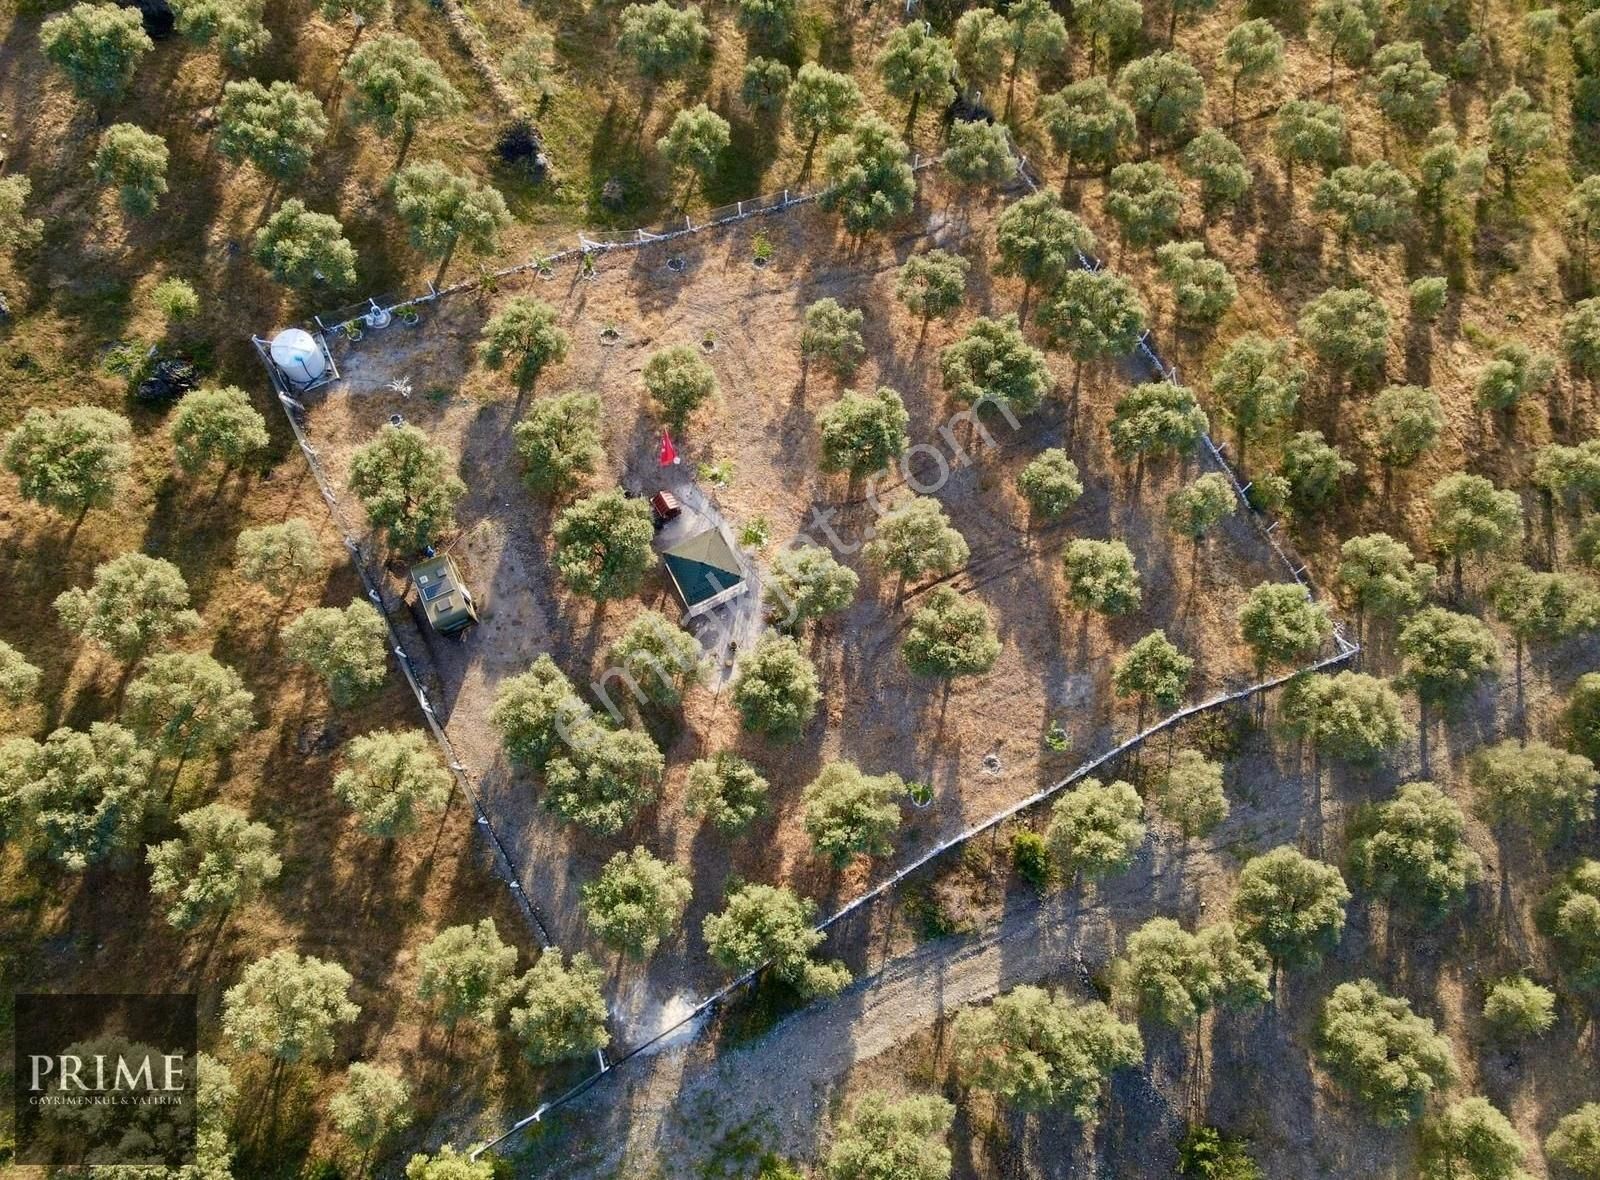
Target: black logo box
104 1079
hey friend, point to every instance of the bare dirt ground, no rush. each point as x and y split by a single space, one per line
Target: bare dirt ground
1056 663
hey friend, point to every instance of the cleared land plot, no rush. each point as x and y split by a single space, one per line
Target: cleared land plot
1056 663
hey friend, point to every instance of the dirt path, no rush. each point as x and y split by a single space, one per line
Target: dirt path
679 1110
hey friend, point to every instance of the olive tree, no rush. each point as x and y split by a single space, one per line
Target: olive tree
1093 315
1518 132
807 582
950 636
1517 1007
1444 654
1198 507
217 427
1347 28
444 210
276 127
992 364
776 689
1166 92
18 231
220 861
1407 421
916 539
560 442
186 704
1111 25
766 85
1281 623
1252 54
848 813
97 46
136 162
305 250
1580 720
660 40
135 603
1575 1143
557 1011
19 679
603 776
534 711
1292 905
767 22
406 485
870 184
1308 132
1050 483
1036 1051
1039 242
1171 977
1382 576
917 63
1368 201
1406 86
449 1164
71 459
978 153
389 778
1155 419
771 924
636 902
1580 337
526 335
234 27
373 1103
1202 288
1257 385
395 87
1473 517
1096 828
903 1139
602 545
1154 670
348 649
1411 851
1036 36
1144 201
1218 165
1312 469
1515 371
1087 124
725 790
1190 795
288 1008
679 381
821 102
1386 1055
1533 786
78 797
695 142
659 659
1347 330
466 973
933 284
863 433
1101 576
831 335
1471 1139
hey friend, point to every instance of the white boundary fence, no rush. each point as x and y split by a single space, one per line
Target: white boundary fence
505 867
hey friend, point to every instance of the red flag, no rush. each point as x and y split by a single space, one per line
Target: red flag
669 453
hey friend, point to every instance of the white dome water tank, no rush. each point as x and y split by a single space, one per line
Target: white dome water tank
298 356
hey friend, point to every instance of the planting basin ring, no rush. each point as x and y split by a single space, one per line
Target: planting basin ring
397 419
921 794
378 317
708 345
760 261
676 264
545 271
410 317
609 335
